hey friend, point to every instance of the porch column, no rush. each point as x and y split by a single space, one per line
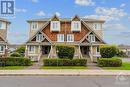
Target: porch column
79 51
39 49
26 51
91 52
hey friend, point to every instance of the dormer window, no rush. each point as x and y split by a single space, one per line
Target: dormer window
55 25
76 26
91 38
39 37
34 25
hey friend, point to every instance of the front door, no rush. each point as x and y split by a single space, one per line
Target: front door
45 50
85 50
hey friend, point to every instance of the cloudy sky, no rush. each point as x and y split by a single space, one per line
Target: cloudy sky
115 12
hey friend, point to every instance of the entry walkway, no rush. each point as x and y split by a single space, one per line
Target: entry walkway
37 65
93 66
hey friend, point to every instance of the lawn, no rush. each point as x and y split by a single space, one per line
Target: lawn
125 66
13 67
64 67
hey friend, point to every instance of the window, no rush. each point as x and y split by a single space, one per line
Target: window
70 38
60 37
98 49
31 49
128 53
34 25
1 48
91 38
39 37
0 24
76 26
97 26
55 25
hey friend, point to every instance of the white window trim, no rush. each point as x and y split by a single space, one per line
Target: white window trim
58 26
39 38
3 49
73 26
72 37
31 52
33 24
90 37
98 27
97 53
59 38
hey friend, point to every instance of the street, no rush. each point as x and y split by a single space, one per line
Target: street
64 81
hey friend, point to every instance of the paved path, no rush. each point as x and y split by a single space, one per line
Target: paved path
93 66
37 65
63 81
125 59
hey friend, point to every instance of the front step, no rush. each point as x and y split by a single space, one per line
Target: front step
88 58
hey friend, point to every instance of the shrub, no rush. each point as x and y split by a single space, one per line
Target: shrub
64 62
15 61
21 50
107 51
15 55
65 51
109 62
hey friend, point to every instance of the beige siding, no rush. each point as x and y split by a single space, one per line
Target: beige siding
32 32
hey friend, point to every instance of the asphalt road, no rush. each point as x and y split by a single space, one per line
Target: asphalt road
64 81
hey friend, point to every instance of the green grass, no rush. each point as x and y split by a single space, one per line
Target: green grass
13 67
125 66
64 67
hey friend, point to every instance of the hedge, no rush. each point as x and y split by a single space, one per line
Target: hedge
109 62
65 51
108 51
64 62
16 54
15 61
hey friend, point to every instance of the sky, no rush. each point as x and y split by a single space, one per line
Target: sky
114 12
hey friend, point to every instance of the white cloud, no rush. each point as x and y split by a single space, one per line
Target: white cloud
110 11
84 2
35 1
114 26
57 13
108 14
20 10
40 13
100 17
122 5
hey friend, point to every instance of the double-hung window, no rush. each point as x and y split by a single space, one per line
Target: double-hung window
55 25
39 37
1 48
97 26
60 37
76 26
31 49
91 38
34 25
70 38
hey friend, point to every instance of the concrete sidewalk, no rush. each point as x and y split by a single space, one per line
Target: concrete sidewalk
63 72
